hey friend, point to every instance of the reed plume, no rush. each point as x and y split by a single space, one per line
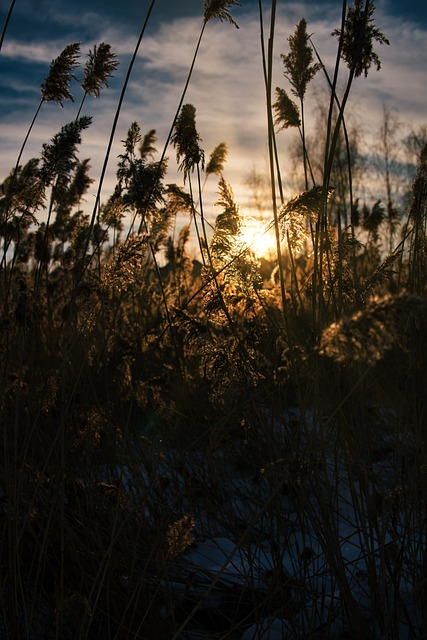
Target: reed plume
220 9
358 36
59 157
98 69
186 139
367 335
298 63
217 159
287 114
55 87
299 69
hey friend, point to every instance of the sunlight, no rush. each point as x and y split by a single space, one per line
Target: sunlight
261 241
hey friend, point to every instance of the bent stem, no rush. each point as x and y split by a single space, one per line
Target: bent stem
6 23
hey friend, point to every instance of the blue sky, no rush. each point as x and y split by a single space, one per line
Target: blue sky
227 85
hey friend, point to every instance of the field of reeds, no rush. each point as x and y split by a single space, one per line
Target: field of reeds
226 447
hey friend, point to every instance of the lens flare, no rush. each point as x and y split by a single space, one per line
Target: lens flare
256 235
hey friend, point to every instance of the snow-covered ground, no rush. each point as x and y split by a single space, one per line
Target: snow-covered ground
324 549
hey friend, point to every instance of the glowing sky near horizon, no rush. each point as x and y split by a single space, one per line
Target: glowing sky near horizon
227 84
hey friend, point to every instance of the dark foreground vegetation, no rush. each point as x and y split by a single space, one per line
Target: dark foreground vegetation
151 404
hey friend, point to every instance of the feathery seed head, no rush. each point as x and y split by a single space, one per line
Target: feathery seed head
179 536
55 88
217 159
178 200
147 147
295 212
186 140
368 334
299 69
219 9
357 38
287 114
132 139
122 271
98 69
229 220
60 156
139 183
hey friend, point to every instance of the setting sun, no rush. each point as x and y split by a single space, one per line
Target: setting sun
259 238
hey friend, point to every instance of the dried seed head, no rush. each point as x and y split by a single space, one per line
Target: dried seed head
357 38
219 9
98 69
55 88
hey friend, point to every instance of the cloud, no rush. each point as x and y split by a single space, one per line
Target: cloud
31 51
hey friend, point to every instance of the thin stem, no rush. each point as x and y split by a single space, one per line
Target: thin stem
350 175
81 105
304 148
15 170
196 226
6 22
271 157
209 256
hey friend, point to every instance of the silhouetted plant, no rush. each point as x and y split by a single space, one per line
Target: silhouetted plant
217 159
139 185
134 390
186 140
296 213
299 64
21 196
220 9
59 157
178 200
123 270
287 114
372 219
358 38
56 85
98 69
300 69
147 147
55 88
234 264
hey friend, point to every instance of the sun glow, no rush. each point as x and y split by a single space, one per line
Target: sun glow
256 235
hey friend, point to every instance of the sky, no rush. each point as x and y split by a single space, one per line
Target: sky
226 88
